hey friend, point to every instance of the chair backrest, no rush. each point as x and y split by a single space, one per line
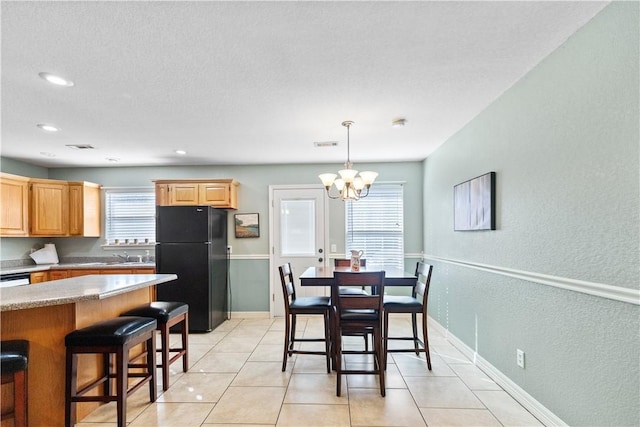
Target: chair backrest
346 262
351 303
288 287
423 280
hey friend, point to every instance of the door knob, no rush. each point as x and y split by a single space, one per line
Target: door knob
320 259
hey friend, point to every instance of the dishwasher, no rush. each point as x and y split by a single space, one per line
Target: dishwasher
14 279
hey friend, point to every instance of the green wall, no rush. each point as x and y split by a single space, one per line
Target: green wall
564 142
250 257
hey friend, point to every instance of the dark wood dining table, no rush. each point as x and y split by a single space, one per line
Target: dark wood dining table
323 276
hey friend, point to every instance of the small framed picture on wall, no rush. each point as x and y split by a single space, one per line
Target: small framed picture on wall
247 225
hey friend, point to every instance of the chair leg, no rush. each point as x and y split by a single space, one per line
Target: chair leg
338 363
164 338
122 363
71 388
379 350
292 340
414 325
106 370
287 331
151 368
185 343
425 338
20 398
385 331
327 340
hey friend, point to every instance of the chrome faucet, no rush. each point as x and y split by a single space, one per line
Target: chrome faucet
125 258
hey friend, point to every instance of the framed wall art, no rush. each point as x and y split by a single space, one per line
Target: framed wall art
474 204
247 225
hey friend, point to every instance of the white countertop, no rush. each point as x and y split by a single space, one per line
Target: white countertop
75 289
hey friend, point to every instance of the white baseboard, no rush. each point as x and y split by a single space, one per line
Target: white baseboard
538 410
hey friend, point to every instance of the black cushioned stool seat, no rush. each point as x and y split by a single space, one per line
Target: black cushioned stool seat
168 314
14 359
114 336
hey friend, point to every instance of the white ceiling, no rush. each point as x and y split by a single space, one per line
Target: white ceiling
260 82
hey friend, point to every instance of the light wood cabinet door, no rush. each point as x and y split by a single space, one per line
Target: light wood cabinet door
14 205
219 193
39 277
183 194
144 271
162 195
58 274
117 271
49 208
83 272
214 194
84 209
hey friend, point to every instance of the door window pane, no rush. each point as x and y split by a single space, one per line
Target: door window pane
297 227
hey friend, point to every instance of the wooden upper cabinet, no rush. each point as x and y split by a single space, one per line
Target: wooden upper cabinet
84 209
48 208
219 193
14 205
183 194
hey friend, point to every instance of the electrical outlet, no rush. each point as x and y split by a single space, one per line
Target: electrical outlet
334 248
520 358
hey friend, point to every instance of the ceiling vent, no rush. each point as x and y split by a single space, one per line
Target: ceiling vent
81 146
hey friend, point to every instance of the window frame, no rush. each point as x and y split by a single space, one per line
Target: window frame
149 234
373 250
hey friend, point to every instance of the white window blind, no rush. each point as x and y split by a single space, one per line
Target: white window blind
130 214
375 225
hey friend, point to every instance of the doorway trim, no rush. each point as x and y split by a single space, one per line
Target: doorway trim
273 285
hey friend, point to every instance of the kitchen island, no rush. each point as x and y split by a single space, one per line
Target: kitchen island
44 314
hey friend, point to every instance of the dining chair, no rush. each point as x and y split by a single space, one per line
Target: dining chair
346 262
293 307
358 314
414 304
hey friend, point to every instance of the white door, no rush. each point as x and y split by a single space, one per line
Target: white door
298 235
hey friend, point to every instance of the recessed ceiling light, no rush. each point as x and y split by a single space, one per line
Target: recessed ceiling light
46 154
80 146
56 80
398 123
181 152
112 159
47 127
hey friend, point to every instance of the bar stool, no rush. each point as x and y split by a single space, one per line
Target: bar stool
114 336
14 358
168 314
415 304
293 307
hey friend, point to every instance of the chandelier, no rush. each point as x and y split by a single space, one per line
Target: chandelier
350 185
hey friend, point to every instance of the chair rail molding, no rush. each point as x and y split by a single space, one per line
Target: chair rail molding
616 293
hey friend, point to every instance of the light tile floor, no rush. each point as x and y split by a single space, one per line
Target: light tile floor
235 379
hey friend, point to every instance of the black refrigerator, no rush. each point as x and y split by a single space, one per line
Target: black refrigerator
192 243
